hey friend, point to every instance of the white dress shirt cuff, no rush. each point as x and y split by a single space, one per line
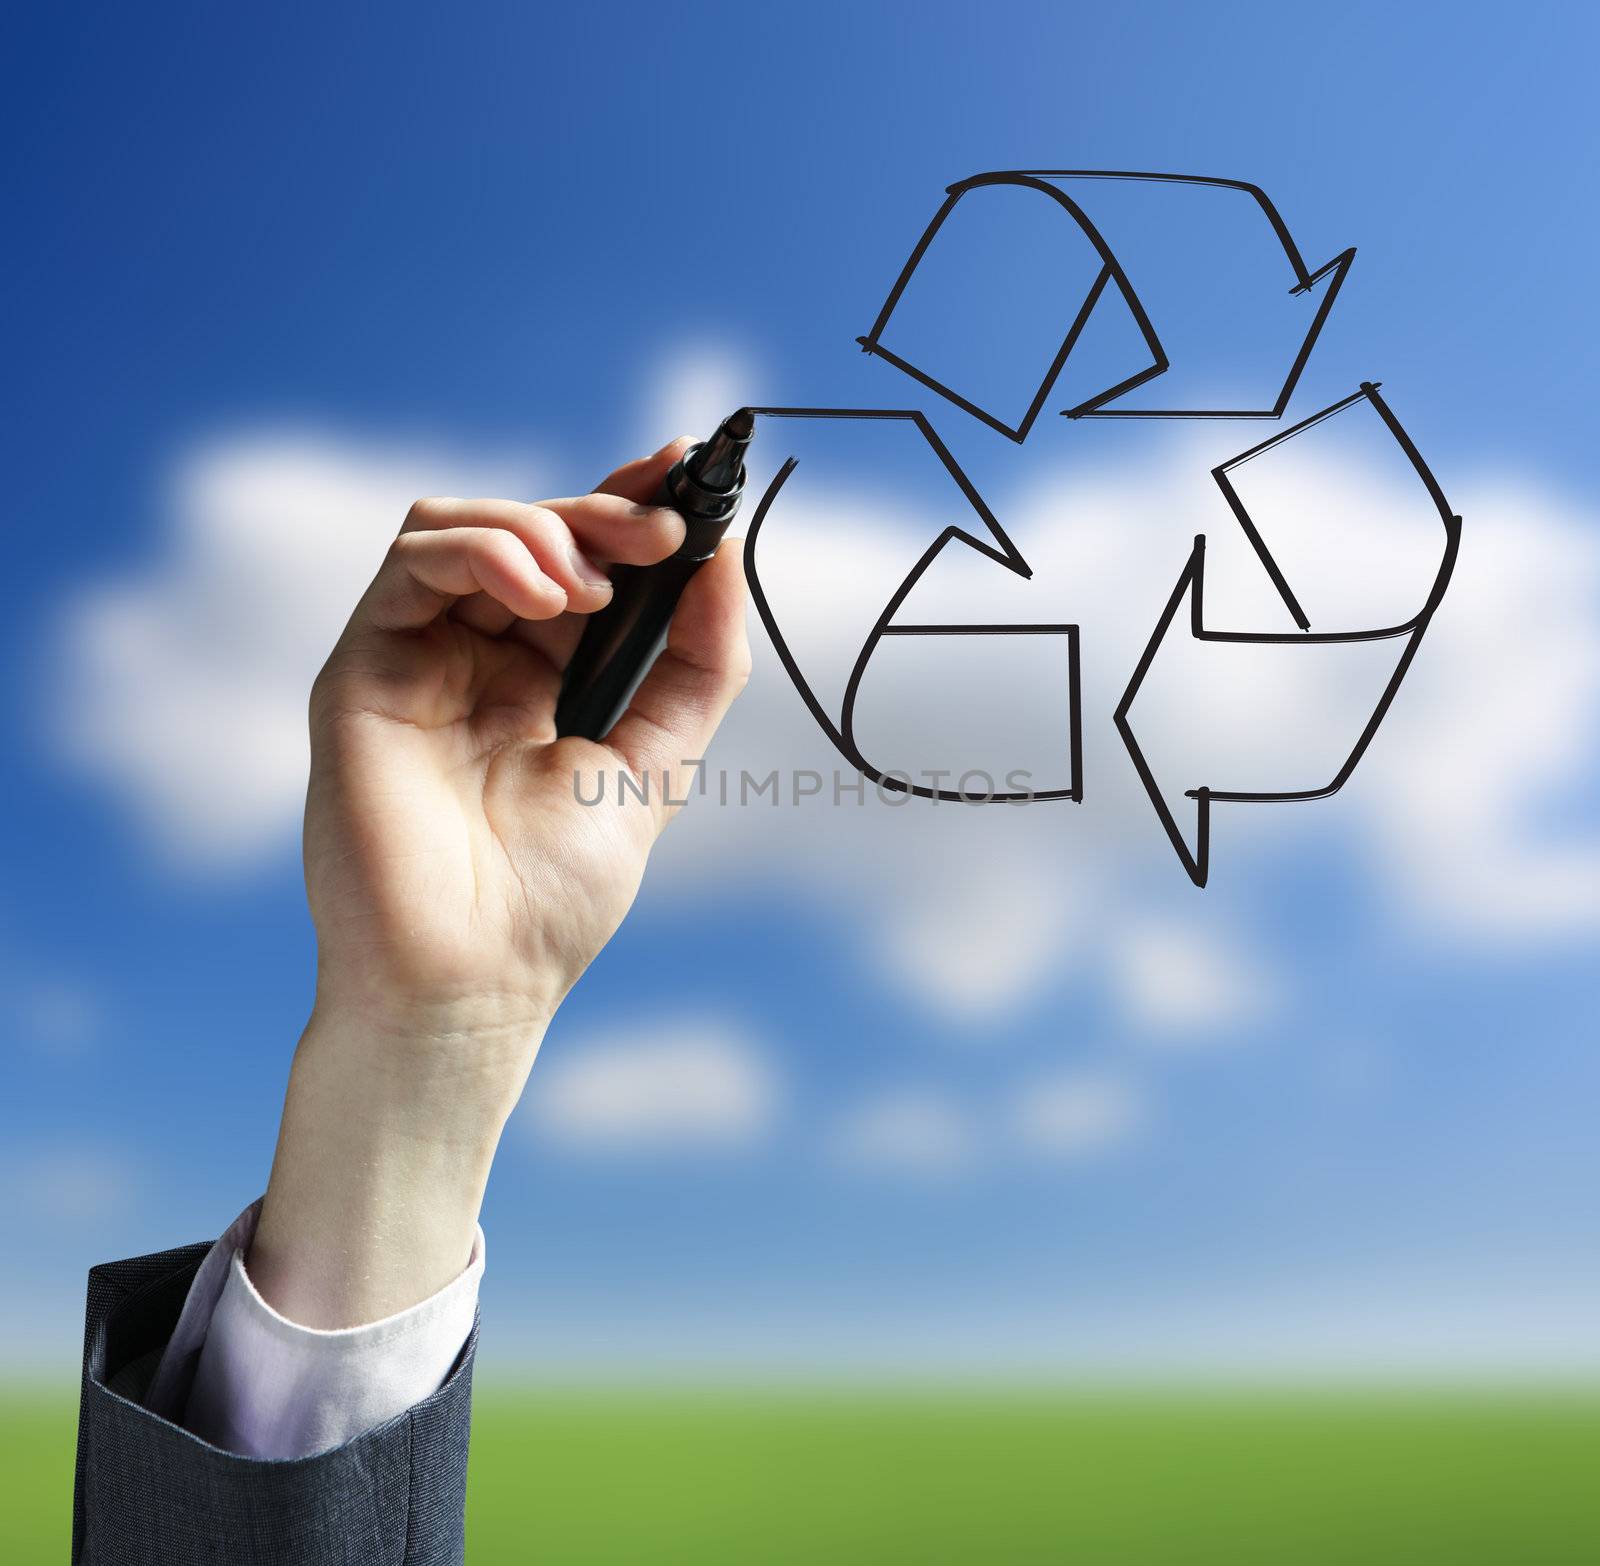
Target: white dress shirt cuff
265 1386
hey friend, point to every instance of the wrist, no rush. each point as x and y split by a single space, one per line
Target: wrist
444 1072
387 1138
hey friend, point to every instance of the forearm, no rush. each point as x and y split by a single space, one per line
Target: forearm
388 1134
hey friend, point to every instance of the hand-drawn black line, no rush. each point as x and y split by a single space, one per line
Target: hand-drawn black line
1112 274
1001 550
1191 585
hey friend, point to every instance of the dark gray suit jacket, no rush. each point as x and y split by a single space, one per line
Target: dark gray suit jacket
150 1492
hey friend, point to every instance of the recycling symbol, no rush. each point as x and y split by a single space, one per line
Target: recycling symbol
1105 332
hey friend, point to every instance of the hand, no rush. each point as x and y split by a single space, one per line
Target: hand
458 884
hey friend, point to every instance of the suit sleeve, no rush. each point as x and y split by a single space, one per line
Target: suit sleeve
148 1490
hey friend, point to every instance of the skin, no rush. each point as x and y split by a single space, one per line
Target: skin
458 886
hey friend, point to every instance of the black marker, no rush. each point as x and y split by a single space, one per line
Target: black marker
705 486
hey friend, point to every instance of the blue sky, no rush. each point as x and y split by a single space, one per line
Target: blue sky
349 250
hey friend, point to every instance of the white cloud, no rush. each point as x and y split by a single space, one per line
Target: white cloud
1077 1115
1177 978
1500 729
187 685
906 1131
923 1131
1010 927
689 1085
694 387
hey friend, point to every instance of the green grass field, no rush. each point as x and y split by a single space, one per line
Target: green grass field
1291 1479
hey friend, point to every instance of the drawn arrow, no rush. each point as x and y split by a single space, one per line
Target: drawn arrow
1113 277
1190 590
989 539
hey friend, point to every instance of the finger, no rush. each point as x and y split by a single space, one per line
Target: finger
687 693
611 528
425 572
641 479
540 531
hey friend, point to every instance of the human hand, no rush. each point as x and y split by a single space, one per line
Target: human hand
458 884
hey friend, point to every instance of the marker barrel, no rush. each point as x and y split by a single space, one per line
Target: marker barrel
705 485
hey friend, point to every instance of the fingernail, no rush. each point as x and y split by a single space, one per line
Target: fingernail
587 570
665 516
